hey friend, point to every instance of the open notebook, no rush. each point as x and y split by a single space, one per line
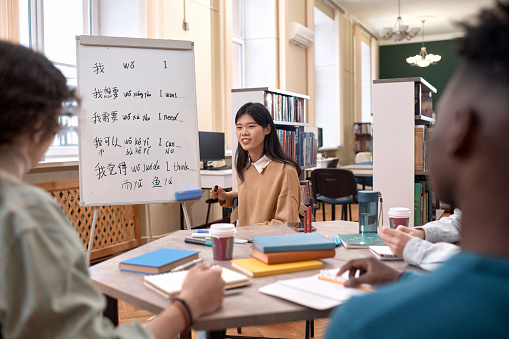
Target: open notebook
383 253
170 284
314 292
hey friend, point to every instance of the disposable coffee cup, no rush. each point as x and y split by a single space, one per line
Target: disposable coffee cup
222 241
399 216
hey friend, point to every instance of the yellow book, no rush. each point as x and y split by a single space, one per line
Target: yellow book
255 268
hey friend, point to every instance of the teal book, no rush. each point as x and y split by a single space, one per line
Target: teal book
360 240
417 204
158 261
292 242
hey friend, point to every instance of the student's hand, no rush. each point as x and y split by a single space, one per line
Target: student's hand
218 193
371 271
203 289
398 238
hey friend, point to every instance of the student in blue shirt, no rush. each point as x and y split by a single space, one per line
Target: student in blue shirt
468 296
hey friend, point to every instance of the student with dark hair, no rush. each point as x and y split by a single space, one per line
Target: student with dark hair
468 296
45 289
268 180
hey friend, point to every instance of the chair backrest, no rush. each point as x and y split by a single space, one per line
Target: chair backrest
333 163
334 183
363 157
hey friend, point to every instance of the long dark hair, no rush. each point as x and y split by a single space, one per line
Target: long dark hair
271 146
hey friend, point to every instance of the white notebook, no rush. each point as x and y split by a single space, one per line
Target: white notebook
383 253
169 284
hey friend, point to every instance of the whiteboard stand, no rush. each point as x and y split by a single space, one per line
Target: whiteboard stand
92 231
149 223
186 216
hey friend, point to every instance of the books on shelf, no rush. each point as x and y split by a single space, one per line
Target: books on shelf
423 101
360 240
170 284
360 128
383 253
284 107
301 146
292 242
421 148
255 268
158 261
291 256
305 191
423 201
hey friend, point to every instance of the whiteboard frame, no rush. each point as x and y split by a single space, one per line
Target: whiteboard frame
108 41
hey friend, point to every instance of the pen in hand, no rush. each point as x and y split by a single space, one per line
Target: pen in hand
187 265
215 188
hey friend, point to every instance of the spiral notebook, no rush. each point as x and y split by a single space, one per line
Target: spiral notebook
383 253
170 284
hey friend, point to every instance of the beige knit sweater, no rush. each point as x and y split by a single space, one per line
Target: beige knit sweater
267 198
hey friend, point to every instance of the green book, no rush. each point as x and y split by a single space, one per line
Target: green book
360 240
417 204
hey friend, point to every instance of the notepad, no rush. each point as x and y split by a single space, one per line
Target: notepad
255 268
170 284
383 253
158 261
312 292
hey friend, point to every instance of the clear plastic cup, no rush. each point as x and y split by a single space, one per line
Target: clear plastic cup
399 216
222 241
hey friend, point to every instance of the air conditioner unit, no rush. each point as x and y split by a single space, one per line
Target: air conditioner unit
300 35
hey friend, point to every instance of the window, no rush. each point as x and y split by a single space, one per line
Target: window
327 80
366 81
50 26
238 47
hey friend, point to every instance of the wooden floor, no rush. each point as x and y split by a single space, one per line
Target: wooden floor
128 312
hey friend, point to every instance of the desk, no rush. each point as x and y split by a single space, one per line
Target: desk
249 308
221 178
360 171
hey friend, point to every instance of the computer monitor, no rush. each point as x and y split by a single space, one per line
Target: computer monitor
211 147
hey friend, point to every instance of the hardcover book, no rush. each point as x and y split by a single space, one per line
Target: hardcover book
255 268
360 240
158 261
292 242
291 256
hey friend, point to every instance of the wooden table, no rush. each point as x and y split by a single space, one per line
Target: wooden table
245 309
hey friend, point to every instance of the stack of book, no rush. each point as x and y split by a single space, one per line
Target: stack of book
284 253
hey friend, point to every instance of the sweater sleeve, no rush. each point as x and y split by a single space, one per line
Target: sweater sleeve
230 196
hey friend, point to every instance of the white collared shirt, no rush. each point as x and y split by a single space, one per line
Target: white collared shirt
261 164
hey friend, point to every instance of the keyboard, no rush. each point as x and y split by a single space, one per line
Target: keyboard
222 168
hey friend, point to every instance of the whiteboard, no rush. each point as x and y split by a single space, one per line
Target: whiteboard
138 128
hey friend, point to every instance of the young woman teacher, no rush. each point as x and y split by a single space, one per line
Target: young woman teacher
268 180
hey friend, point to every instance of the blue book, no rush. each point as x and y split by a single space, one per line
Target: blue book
360 240
158 261
292 242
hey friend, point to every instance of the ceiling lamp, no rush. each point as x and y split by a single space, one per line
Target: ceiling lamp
423 59
399 31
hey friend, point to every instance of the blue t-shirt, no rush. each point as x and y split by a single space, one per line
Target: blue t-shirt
467 297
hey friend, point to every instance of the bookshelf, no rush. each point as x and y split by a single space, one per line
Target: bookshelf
362 141
399 145
288 111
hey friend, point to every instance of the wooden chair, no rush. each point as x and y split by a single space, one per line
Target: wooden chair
118 226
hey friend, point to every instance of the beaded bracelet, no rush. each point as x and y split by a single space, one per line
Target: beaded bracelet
186 306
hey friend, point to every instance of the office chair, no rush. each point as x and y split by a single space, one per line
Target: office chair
336 187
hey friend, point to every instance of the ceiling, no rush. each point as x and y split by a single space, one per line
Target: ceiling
377 14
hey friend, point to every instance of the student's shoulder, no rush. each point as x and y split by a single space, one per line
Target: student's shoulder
286 168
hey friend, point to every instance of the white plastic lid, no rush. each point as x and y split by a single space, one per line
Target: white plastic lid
398 212
222 230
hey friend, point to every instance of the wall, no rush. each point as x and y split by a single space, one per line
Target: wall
393 63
